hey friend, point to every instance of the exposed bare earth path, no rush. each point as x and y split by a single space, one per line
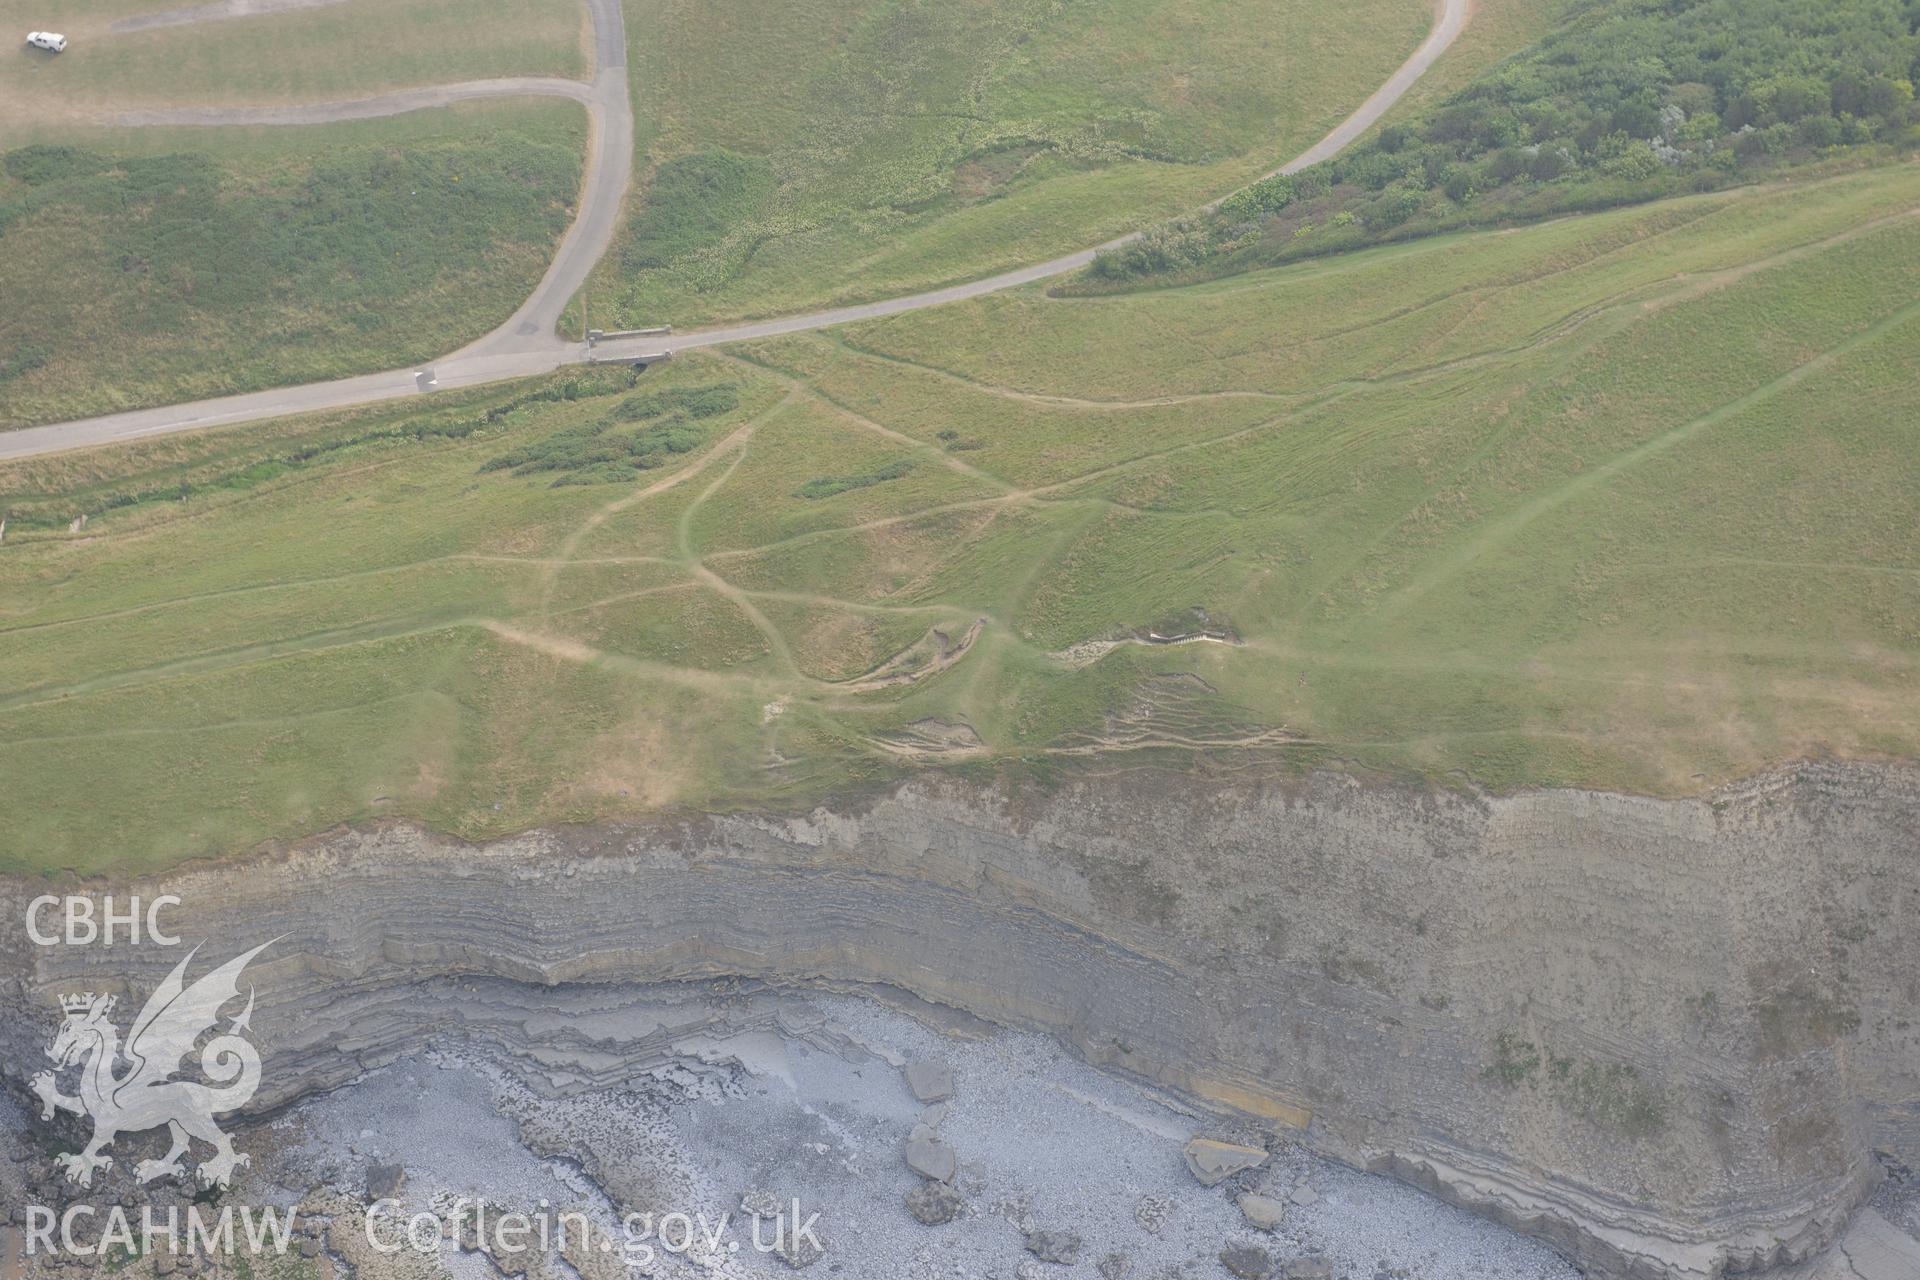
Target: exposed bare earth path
528 343
213 12
384 104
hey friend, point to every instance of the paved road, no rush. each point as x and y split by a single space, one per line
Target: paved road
603 191
528 344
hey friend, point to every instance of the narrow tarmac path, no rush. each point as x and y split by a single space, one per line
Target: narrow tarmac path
528 343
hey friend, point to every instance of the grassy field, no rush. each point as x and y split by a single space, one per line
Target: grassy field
312 54
150 266
1629 500
802 154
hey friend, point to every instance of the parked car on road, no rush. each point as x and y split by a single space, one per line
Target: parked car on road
51 41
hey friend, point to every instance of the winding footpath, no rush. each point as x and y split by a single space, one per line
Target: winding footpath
529 343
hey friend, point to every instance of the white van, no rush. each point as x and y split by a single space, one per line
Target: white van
51 41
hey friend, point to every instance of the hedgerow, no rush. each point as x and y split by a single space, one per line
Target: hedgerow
827 486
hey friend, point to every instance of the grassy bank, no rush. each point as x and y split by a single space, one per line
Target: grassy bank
149 267
1625 501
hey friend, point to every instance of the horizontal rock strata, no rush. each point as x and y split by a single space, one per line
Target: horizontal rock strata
1668 1036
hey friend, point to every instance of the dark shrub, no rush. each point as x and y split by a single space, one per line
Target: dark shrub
41 163
1546 166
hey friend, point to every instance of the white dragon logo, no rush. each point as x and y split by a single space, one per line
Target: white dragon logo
147 1096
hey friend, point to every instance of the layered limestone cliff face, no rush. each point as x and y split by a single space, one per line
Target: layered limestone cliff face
1669 1036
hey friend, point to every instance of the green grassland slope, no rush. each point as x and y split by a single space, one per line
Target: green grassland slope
799 154
145 266
1625 500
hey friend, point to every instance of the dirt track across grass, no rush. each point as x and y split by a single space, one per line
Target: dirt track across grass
213 12
384 104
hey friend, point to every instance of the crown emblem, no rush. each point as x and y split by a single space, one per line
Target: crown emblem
81 1003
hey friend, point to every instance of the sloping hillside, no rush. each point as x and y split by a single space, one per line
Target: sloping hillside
1622 501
